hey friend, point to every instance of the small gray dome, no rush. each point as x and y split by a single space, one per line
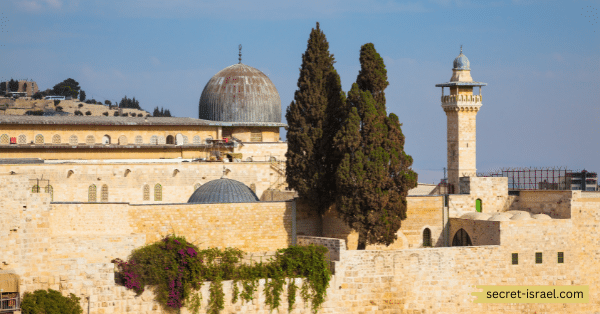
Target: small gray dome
461 62
223 191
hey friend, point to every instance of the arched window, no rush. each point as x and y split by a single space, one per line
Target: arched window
158 192
106 139
138 139
461 238
39 139
104 193
22 139
49 189
161 140
170 139
185 140
35 189
154 140
56 139
426 237
197 186
92 193
273 159
146 192
196 139
4 139
122 140
478 206
90 139
73 140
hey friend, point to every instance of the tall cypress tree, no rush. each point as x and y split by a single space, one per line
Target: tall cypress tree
313 119
374 175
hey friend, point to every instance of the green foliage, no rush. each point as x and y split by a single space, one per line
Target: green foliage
116 114
88 113
3 88
80 105
78 113
58 108
161 112
374 175
50 302
314 117
68 87
105 114
82 95
13 85
129 103
108 102
34 113
177 270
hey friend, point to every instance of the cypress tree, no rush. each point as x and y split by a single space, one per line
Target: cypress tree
374 175
314 118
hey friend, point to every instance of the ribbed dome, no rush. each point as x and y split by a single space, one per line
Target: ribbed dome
461 62
223 191
240 93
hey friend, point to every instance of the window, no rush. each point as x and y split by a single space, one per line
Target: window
35 189
427 237
4 139
138 139
161 140
90 139
170 139
73 140
154 139
478 205
538 257
50 190
256 136
104 193
158 192
227 133
92 193
106 139
39 139
22 139
185 140
561 257
515 258
196 139
146 192
56 139
122 140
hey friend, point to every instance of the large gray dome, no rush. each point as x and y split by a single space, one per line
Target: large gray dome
462 62
223 191
240 93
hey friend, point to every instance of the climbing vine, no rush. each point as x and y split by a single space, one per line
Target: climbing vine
177 269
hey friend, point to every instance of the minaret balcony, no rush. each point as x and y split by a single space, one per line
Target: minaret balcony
456 99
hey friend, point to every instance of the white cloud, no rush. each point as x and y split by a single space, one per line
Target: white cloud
154 61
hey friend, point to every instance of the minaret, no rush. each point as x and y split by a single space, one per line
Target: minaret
461 108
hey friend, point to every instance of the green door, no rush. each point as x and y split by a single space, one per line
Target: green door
478 205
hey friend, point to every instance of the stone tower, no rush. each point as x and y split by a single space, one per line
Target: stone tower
461 108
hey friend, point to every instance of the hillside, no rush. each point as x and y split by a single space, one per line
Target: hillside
19 106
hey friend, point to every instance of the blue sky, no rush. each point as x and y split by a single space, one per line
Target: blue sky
541 60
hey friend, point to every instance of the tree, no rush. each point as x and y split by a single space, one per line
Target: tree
37 95
313 119
68 87
105 114
80 105
50 302
13 85
374 176
129 103
3 88
116 114
88 113
82 95
108 102
78 113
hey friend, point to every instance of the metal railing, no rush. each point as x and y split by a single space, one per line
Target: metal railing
10 302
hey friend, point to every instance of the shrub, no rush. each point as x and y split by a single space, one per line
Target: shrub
105 114
78 113
80 105
176 268
34 113
116 114
56 102
59 108
140 115
88 113
50 302
37 95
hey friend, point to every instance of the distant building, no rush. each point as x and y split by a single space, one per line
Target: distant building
27 87
584 181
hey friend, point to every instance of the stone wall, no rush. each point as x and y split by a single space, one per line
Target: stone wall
422 212
126 181
556 204
493 192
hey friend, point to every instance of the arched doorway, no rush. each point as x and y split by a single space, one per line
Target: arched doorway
427 237
178 139
106 139
461 238
478 205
